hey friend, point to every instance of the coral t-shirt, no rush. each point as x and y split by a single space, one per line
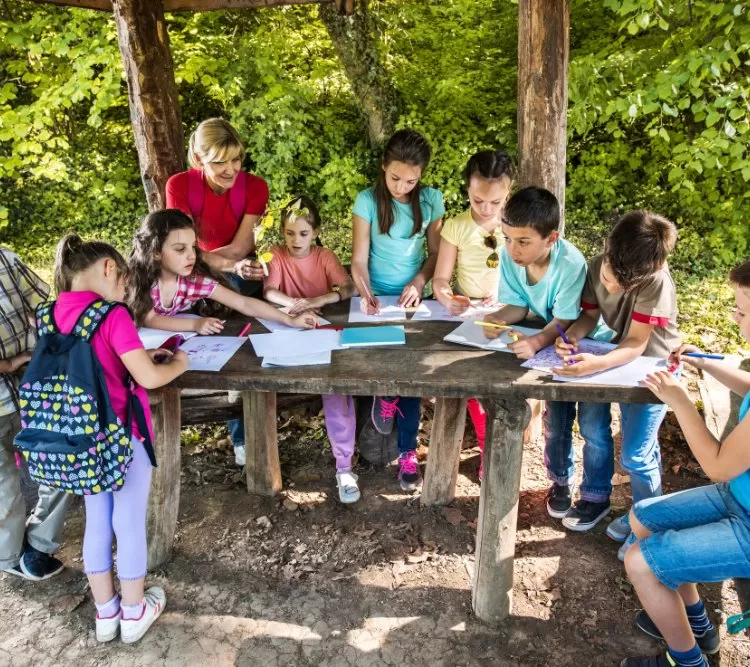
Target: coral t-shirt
115 337
217 224
306 277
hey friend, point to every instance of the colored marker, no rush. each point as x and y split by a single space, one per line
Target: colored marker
245 329
565 340
370 298
451 295
491 325
701 355
329 326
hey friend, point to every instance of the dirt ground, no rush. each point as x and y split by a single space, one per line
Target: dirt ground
302 580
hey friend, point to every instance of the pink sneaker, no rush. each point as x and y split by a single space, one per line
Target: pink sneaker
409 477
384 409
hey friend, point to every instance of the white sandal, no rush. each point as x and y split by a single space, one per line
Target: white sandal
348 489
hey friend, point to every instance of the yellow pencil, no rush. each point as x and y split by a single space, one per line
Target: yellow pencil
491 325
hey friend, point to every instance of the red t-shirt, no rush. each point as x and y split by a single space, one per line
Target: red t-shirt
217 225
115 337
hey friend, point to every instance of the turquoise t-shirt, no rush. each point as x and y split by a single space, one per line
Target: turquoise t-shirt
740 486
395 258
557 294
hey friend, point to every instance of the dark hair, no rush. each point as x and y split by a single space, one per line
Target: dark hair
74 255
298 202
411 148
740 275
533 207
145 268
489 165
638 246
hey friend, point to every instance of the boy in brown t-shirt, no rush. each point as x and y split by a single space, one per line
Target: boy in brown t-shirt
629 287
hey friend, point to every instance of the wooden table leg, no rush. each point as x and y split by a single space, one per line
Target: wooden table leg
164 501
492 592
261 444
445 447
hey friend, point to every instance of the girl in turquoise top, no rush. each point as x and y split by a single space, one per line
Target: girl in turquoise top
701 534
390 224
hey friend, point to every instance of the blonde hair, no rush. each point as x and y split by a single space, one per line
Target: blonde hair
212 140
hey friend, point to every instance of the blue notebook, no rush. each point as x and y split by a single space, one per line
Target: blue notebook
372 336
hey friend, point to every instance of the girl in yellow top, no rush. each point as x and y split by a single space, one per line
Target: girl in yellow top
470 244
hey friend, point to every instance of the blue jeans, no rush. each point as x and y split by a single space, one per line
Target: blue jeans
640 455
246 288
699 535
407 423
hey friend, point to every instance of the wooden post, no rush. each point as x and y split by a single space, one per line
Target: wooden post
543 44
492 592
445 448
261 444
164 501
152 94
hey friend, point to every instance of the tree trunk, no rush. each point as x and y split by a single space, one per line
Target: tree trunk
543 44
357 50
152 93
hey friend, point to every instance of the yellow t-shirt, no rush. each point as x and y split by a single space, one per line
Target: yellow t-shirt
475 279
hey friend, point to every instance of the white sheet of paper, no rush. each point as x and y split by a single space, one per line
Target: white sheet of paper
291 343
210 353
278 326
629 375
317 359
431 309
472 334
390 311
546 359
154 338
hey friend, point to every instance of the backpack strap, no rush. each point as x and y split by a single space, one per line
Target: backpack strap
237 196
92 318
45 319
195 193
135 409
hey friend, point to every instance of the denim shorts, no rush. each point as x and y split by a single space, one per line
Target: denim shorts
699 535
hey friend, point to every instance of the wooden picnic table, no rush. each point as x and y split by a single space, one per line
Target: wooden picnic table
426 366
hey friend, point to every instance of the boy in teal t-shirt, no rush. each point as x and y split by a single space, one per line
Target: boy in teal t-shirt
542 274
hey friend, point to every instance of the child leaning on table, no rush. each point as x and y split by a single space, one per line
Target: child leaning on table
701 534
306 277
630 289
26 547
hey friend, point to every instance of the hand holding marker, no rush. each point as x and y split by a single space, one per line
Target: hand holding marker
565 340
491 325
368 296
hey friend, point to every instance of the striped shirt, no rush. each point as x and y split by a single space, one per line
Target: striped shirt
21 291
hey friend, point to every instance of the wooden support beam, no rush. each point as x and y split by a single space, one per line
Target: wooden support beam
492 589
262 466
445 448
543 45
190 5
164 501
152 94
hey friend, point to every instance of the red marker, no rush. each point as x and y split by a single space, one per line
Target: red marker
245 329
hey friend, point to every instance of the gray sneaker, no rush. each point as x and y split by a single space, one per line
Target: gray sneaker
619 529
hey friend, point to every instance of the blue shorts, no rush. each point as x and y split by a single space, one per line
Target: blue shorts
699 535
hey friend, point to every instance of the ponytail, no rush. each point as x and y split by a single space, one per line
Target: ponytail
74 255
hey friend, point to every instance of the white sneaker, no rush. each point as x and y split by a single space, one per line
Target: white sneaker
107 628
239 455
132 630
348 489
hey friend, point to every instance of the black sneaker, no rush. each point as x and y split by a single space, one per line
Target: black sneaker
384 409
708 642
38 566
558 500
584 515
661 660
16 571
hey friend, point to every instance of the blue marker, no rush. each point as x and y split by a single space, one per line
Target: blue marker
701 355
565 339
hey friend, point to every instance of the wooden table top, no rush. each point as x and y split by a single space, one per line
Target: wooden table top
425 366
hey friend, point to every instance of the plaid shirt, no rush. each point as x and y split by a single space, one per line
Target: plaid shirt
21 291
189 290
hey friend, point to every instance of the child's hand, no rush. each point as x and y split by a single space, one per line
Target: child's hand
248 269
666 387
489 301
160 355
369 306
583 364
677 357
411 296
523 347
563 349
301 305
493 332
180 357
19 360
305 321
456 304
207 326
